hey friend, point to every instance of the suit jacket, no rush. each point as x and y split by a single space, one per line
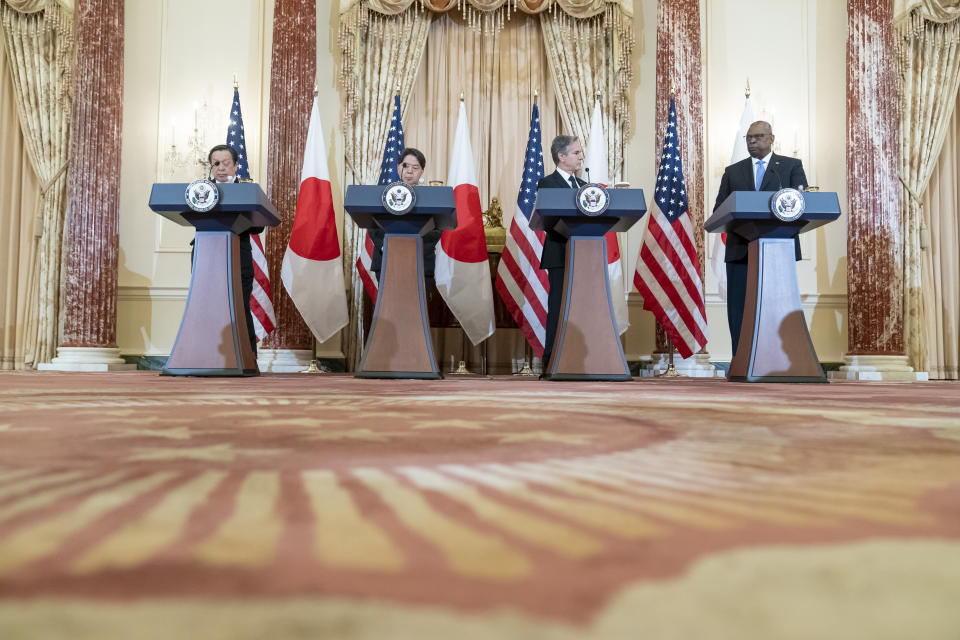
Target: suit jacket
246 253
782 172
554 245
430 240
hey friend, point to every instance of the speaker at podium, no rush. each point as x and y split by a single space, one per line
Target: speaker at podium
587 344
213 338
775 344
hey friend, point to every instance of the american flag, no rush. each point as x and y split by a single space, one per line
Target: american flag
388 174
522 285
668 270
261 298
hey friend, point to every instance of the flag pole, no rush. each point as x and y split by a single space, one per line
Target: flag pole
462 367
671 371
527 369
314 366
464 345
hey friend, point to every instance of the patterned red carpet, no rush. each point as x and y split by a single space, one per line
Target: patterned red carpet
293 506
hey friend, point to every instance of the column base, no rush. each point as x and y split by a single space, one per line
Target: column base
283 360
87 359
878 368
696 366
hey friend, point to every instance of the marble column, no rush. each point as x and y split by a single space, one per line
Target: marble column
293 73
874 220
680 74
91 244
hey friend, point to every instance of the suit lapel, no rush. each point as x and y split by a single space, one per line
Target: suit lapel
770 180
747 169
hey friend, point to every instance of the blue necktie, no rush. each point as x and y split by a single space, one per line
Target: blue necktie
573 183
759 174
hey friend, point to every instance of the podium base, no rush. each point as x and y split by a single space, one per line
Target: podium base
878 369
284 360
87 359
696 366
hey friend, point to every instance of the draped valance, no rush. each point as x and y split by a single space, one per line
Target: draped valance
32 6
933 10
574 8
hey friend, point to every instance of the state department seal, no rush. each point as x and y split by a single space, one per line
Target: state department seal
202 195
788 204
398 198
593 199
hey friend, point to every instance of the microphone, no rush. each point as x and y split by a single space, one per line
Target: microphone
587 170
779 181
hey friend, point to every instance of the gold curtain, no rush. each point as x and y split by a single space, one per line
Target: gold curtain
380 55
930 71
936 10
941 260
498 62
601 44
468 8
498 75
39 50
19 193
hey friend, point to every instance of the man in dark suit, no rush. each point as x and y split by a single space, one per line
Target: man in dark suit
568 156
762 171
223 168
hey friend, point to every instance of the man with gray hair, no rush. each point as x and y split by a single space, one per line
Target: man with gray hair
568 155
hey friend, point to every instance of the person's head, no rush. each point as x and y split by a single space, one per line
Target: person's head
759 139
411 166
223 163
567 153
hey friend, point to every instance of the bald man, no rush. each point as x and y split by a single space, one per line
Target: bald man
764 170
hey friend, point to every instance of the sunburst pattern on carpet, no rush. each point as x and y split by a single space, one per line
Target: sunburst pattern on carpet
472 497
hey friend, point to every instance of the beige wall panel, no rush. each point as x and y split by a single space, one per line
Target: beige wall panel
178 88
793 53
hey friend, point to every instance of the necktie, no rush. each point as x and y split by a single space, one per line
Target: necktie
759 174
573 183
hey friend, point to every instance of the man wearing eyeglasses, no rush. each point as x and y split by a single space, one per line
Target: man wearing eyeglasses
223 160
764 170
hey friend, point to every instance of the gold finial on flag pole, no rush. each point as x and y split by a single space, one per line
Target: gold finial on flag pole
746 92
461 95
536 94
597 94
398 88
316 89
236 83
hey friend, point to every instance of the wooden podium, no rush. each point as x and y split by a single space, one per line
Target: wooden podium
775 344
399 344
213 339
587 343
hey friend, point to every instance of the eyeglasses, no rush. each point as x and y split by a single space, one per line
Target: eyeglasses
755 136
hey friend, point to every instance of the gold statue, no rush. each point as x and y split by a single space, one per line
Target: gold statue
493 217
493 227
